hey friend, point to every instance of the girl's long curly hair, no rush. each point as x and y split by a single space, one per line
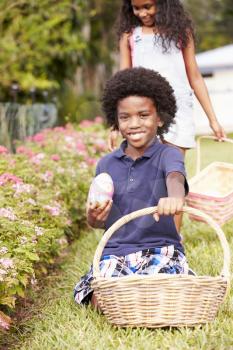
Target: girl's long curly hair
172 22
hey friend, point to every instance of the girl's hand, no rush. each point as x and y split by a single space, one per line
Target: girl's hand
169 206
112 139
97 214
218 130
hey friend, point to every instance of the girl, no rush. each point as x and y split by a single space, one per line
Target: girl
158 34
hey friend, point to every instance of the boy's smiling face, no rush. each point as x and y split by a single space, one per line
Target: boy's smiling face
138 121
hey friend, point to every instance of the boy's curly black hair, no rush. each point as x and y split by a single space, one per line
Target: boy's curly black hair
172 22
139 82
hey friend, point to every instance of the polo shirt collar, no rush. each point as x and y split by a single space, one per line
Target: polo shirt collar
120 152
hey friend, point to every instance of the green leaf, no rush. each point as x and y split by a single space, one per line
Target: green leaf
8 300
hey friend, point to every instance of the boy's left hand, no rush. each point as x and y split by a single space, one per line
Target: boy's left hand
169 206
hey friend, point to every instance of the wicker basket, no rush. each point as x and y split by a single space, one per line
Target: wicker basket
161 300
211 190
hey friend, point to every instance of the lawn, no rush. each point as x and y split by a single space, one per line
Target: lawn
53 321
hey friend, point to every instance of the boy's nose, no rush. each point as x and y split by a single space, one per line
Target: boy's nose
134 122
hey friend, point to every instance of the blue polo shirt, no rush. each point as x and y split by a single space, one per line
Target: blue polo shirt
139 184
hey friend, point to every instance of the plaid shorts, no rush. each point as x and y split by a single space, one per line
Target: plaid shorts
145 262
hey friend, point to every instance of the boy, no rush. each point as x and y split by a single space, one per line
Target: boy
141 105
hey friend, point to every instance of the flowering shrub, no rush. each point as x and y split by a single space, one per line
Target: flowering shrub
43 189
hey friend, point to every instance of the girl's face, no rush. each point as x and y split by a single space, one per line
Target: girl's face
145 10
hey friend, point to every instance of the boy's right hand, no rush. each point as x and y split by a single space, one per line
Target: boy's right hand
97 213
112 139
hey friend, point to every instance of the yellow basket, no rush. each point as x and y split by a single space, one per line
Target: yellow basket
161 300
211 190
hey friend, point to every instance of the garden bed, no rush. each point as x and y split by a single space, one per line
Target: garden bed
43 190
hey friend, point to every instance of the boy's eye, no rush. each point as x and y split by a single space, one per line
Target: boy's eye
123 117
144 115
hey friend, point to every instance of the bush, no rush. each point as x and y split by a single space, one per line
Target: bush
43 189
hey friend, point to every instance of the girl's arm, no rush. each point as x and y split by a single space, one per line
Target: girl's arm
112 139
198 85
125 55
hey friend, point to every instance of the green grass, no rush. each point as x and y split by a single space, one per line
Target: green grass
55 322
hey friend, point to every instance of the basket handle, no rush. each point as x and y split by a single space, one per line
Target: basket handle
198 164
151 210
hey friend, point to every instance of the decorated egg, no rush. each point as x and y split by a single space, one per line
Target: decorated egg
101 189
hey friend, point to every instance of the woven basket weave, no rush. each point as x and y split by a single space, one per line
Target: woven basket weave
211 190
160 300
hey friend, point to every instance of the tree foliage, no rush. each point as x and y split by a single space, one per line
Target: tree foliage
40 41
43 42
102 36
213 20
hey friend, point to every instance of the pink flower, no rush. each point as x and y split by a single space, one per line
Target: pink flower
91 161
24 150
7 263
47 176
59 129
101 145
3 250
99 119
38 138
7 213
86 123
7 177
39 231
2 273
69 139
69 127
31 201
22 188
54 211
55 157
3 150
80 146
38 158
